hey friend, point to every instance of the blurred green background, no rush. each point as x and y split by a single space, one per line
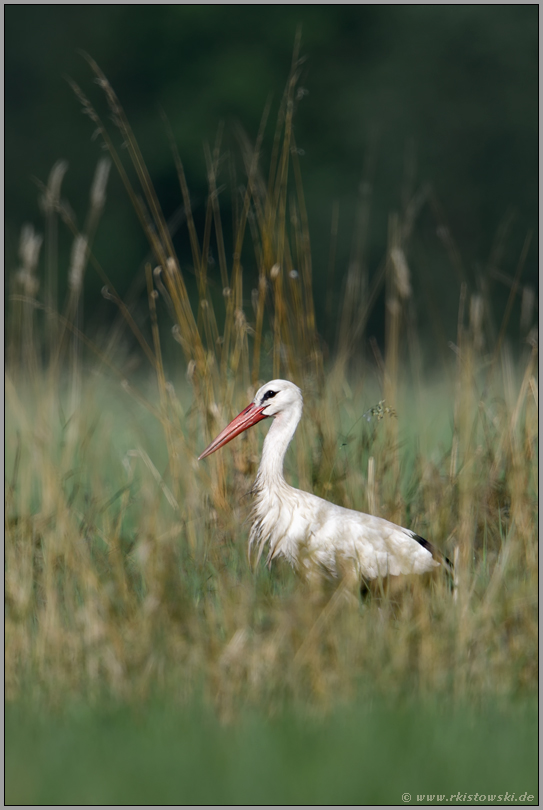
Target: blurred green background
398 96
366 754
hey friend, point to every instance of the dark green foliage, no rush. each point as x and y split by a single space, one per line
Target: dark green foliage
399 97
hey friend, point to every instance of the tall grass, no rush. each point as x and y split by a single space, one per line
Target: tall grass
126 560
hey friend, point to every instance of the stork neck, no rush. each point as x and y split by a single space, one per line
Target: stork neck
275 446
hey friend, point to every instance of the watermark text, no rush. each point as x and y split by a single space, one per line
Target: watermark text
468 797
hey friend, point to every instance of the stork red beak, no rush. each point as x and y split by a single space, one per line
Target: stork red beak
246 419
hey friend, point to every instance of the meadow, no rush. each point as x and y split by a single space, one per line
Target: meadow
141 644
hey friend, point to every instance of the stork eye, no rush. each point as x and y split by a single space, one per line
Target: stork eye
268 395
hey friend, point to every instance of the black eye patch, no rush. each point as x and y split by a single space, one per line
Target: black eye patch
268 395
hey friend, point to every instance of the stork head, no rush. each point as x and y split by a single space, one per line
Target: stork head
277 396
273 399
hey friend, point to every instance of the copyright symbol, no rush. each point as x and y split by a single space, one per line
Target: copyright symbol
406 797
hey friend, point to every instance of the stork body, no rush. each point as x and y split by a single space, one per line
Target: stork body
314 535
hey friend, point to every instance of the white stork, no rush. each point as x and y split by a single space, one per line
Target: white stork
314 535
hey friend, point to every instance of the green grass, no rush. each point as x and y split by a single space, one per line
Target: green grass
360 754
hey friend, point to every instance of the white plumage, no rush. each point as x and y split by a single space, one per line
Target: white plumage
314 535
